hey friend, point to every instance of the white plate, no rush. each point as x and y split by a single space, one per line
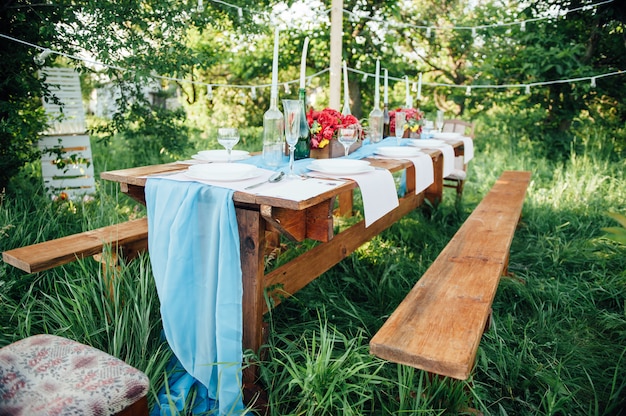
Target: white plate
426 143
330 171
398 151
446 135
223 172
221 155
339 166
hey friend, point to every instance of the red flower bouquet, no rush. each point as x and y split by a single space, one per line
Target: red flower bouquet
414 120
324 125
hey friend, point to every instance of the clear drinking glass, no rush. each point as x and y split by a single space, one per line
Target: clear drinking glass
348 136
400 124
228 137
440 120
292 110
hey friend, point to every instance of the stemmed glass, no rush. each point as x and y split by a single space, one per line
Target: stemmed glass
400 125
228 137
292 110
348 136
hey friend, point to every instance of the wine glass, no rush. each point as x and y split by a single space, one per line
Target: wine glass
292 110
348 136
440 120
400 125
228 137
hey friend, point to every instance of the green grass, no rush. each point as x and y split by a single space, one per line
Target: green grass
557 345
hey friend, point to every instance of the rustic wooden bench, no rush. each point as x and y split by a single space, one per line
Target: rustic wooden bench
129 238
439 324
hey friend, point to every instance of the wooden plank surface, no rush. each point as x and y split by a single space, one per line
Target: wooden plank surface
43 256
438 326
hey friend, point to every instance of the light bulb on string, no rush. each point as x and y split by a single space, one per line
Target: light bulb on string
428 32
41 58
468 91
242 98
527 91
240 14
200 7
522 26
473 32
364 78
593 82
414 87
287 88
253 93
209 92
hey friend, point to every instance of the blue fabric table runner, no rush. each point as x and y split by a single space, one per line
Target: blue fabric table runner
193 242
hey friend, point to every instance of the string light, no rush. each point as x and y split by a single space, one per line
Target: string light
522 26
46 52
387 23
364 80
200 7
253 93
287 89
468 91
527 90
41 58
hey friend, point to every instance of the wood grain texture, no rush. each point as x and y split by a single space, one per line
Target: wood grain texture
438 326
49 254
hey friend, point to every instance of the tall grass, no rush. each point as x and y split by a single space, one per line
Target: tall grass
557 345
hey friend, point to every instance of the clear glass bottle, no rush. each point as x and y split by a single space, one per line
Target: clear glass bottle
376 125
273 133
303 147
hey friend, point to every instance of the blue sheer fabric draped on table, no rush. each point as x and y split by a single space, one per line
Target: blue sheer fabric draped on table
193 239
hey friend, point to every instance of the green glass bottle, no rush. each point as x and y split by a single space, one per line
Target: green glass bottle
303 147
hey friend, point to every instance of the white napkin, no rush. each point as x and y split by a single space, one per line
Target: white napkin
468 145
424 172
297 189
291 189
378 190
448 158
235 185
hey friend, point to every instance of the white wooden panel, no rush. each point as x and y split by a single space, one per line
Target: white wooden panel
75 179
69 117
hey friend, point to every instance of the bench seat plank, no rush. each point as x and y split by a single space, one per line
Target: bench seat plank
438 326
49 254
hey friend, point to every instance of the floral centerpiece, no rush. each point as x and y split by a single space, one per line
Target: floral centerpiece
414 121
323 126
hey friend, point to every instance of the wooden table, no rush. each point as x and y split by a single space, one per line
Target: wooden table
311 219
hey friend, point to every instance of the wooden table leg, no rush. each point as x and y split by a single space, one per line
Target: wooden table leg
252 241
434 193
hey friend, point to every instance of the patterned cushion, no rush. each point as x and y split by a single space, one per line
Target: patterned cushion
50 375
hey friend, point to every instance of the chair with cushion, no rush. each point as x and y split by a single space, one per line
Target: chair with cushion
51 375
457 178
